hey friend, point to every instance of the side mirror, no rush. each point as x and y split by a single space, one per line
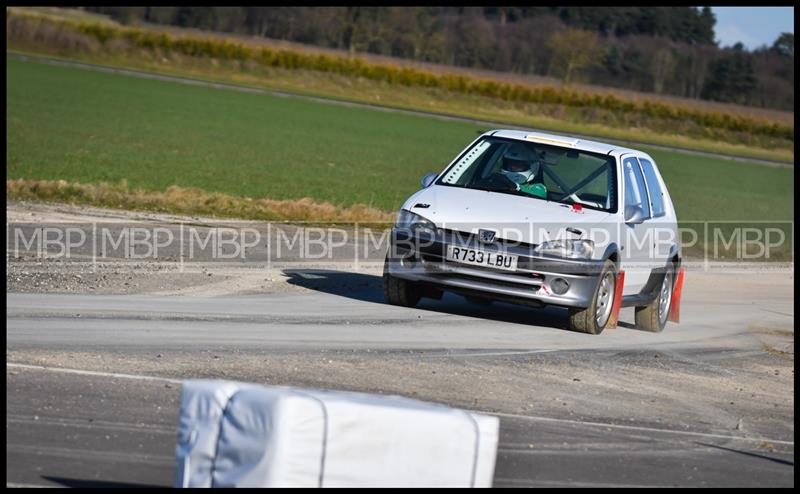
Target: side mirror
633 215
428 179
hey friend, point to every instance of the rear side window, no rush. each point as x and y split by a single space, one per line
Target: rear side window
635 192
656 194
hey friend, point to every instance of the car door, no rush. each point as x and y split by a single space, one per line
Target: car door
636 238
662 218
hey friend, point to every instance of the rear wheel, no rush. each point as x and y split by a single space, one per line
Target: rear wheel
653 317
593 319
399 291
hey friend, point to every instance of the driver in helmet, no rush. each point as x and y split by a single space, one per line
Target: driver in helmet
517 165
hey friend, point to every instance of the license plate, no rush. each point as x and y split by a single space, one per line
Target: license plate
476 257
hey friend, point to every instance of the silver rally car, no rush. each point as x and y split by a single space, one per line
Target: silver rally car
540 219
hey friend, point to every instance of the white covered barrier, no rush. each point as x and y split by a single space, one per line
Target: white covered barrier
243 435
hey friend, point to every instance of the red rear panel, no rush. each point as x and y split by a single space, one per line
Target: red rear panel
675 307
612 319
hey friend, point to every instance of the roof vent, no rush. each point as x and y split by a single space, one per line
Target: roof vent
546 139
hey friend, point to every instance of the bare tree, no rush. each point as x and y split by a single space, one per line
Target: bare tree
662 66
258 20
700 58
573 50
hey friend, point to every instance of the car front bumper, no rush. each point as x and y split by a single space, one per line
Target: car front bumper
421 258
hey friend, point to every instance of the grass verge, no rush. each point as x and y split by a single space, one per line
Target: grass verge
191 201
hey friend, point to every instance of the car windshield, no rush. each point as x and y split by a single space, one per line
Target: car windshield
538 171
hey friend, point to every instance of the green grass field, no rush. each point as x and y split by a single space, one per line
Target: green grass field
87 127
53 32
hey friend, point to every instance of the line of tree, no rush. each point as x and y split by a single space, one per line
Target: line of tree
665 50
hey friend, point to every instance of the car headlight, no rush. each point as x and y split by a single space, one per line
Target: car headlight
574 248
414 222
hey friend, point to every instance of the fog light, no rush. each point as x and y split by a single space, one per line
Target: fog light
559 286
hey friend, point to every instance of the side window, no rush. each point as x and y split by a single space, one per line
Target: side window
656 194
635 192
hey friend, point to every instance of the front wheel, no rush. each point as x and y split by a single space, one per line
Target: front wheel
398 291
593 319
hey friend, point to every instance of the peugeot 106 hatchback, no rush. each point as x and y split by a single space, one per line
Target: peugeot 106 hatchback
539 219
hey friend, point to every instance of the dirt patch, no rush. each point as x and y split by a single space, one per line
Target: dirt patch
778 342
30 273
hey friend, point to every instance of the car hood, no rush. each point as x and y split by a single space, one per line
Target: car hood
524 219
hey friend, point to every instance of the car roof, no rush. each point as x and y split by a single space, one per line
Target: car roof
560 140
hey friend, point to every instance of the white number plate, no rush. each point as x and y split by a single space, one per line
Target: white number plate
481 258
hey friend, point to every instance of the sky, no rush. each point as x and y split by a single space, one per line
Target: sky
753 26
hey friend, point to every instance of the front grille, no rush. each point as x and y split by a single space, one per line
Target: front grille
472 239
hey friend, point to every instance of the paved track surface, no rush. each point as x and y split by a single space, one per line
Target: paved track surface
708 402
120 432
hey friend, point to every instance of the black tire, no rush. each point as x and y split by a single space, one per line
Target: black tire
653 317
398 291
478 300
585 320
